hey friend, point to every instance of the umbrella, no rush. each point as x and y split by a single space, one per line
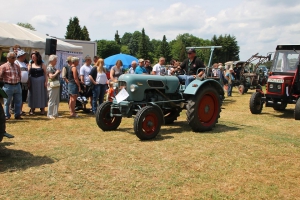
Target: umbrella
126 59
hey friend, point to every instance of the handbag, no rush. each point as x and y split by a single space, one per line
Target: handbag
54 84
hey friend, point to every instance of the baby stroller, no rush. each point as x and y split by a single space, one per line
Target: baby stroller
81 100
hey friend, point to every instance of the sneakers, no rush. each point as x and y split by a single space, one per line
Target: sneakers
18 118
51 117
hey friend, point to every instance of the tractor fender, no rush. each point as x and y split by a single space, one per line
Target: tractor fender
195 85
3 93
160 110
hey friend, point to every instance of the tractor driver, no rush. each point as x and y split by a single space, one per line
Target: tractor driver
192 65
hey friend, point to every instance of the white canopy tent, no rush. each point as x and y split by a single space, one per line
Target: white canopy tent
12 34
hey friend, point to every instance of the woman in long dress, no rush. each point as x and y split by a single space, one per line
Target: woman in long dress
38 79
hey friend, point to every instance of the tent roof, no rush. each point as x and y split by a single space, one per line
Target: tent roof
12 34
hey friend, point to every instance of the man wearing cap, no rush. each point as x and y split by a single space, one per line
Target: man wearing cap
141 68
21 56
10 73
193 67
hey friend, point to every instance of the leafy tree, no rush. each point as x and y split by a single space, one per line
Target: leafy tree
165 49
125 40
73 29
143 51
85 34
154 49
26 25
229 51
106 48
117 38
125 49
134 43
178 51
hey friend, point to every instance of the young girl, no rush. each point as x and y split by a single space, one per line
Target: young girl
110 92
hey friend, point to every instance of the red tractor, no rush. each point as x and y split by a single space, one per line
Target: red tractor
283 85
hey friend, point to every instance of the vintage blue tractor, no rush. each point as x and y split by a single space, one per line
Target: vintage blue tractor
158 100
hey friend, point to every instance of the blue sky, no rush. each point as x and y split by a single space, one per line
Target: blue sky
258 25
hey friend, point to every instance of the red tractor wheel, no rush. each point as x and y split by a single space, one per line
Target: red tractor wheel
147 122
241 89
104 119
203 110
2 122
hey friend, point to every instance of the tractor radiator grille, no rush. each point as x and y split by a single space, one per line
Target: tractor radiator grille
273 87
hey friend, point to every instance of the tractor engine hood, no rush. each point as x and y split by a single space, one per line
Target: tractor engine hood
137 84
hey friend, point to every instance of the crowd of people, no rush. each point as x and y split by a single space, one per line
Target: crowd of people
39 85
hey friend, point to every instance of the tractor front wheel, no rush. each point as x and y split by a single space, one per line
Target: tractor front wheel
297 110
147 123
2 122
203 110
241 89
255 103
103 118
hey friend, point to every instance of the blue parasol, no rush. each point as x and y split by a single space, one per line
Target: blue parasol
126 59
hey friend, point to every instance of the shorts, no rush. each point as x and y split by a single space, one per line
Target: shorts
72 88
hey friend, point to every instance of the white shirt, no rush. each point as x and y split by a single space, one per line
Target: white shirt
158 69
101 78
85 72
24 71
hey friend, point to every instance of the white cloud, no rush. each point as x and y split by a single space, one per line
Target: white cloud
45 20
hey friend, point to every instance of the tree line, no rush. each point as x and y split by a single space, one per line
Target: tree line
140 45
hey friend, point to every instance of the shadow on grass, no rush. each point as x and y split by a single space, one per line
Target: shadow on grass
13 160
288 113
228 101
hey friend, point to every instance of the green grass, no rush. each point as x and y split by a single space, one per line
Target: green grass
245 157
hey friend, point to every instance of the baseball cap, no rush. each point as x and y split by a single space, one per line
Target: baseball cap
141 60
191 50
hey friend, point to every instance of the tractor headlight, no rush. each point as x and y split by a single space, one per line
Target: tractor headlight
271 86
133 87
115 86
279 87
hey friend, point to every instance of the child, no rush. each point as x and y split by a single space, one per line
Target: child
110 91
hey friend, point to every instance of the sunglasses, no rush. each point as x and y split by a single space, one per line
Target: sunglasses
12 57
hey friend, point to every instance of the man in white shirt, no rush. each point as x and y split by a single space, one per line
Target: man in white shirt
158 69
85 79
132 68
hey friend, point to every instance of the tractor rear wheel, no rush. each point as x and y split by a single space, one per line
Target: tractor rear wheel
147 123
297 110
241 89
203 110
103 118
171 115
2 122
255 103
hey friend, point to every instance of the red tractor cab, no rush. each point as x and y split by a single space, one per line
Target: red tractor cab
283 85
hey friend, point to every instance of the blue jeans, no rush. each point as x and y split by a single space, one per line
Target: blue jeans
98 92
188 79
229 91
13 91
